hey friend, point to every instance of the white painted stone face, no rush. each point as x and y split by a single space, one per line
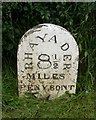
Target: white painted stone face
47 62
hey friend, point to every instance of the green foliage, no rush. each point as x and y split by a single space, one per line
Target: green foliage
19 17
80 20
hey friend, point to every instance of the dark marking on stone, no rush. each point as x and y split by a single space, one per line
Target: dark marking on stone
21 40
30 32
25 35
22 71
39 26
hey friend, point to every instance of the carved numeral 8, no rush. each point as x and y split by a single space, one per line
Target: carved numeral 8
44 61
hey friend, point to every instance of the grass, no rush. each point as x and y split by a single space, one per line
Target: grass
80 105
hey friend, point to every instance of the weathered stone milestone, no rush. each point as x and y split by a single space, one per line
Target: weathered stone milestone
47 62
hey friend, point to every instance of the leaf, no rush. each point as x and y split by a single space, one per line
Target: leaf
80 47
86 17
86 53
